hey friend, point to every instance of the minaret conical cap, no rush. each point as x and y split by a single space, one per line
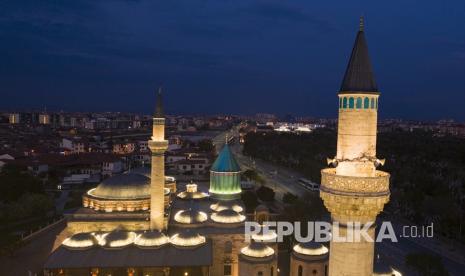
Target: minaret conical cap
159 113
359 76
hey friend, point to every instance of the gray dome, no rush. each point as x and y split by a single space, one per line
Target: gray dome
190 216
80 241
227 216
118 238
257 250
123 186
311 248
151 239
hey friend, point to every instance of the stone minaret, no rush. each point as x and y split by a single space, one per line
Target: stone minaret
158 146
354 191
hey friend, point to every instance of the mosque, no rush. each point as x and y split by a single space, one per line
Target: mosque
138 223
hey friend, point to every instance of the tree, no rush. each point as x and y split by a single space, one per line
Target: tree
289 198
250 201
206 145
16 181
252 175
426 264
265 193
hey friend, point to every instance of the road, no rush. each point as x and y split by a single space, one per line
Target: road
285 180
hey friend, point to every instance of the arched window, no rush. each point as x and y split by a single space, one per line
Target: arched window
351 102
366 103
359 102
344 103
372 103
300 272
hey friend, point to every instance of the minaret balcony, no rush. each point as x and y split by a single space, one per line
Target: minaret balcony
158 146
354 185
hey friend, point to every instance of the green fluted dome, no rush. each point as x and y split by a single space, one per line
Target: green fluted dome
225 178
225 162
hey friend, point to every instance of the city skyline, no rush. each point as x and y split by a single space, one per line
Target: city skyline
241 58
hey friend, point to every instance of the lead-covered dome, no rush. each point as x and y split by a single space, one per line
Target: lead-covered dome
151 239
117 239
190 216
80 241
187 238
224 205
310 249
257 250
123 186
227 216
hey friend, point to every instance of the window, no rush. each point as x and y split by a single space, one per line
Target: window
376 104
340 102
260 273
344 103
227 271
372 103
271 271
314 272
359 102
366 103
300 272
228 247
351 102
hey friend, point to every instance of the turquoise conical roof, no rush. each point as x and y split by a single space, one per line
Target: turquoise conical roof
225 162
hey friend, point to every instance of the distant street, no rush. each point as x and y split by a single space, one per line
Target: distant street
284 180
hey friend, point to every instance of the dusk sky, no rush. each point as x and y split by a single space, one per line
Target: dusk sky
239 57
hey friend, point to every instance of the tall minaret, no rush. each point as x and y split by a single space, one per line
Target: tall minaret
158 146
354 191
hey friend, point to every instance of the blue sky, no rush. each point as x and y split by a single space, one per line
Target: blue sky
230 56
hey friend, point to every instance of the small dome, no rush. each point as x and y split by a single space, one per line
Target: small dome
223 205
123 186
311 249
151 239
190 216
80 241
265 235
117 239
227 216
192 192
187 238
257 250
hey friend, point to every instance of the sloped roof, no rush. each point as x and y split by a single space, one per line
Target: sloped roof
225 162
359 75
131 256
